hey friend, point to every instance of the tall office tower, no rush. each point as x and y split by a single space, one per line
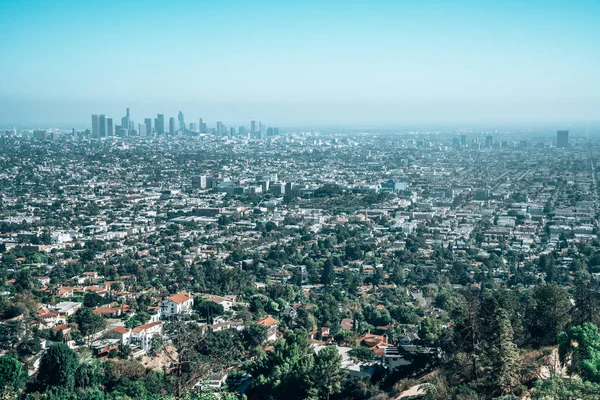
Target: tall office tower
148 123
463 140
202 125
199 182
40 134
110 130
562 139
231 131
159 124
172 126
142 130
126 122
242 131
181 122
489 141
253 128
95 125
102 125
193 127
272 131
219 128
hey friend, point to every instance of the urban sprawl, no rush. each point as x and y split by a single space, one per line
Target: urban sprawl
171 259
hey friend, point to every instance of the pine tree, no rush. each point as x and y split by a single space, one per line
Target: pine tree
500 355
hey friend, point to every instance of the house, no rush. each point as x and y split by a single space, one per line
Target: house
226 302
394 355
177 304
43 280
142 335
64 292
67 308
271 324
102 347
155 313
123 334
289 312
114 310
64 328
49 318
237 325
347 323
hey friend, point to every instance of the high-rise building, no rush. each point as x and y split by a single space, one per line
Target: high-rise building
562 139
220 128
102 125
489 141
242 131
148 124
199 182
40 134
253 128
126 121
142 130
232 131
463 140
181 122
159 124
202 126
193 127
95 125
110 130
172 126
272 131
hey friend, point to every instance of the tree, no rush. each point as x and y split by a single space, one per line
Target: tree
10 375
328 274
29 347
500 356
209 309
362 353
89 374
565 389
254 335
430 330
284 372
579 350
57 367
548 313
87 322
92 300
327 372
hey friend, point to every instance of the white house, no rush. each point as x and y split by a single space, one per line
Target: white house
177 304
226 302
140 335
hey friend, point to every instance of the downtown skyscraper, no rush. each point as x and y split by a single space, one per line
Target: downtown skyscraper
95 125
159 124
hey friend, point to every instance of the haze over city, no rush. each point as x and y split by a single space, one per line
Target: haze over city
302 63
299 200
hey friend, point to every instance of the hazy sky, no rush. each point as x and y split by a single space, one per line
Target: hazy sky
300 62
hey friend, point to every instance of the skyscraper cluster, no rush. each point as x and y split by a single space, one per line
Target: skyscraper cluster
102 126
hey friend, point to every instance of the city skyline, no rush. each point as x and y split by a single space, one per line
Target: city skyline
329 63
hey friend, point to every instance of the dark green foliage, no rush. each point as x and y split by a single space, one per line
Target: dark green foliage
579 350
87 322
11 374
57 367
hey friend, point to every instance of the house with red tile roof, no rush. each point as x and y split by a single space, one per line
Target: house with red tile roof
271 324
177 304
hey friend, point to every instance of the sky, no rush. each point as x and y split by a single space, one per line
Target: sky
300 62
